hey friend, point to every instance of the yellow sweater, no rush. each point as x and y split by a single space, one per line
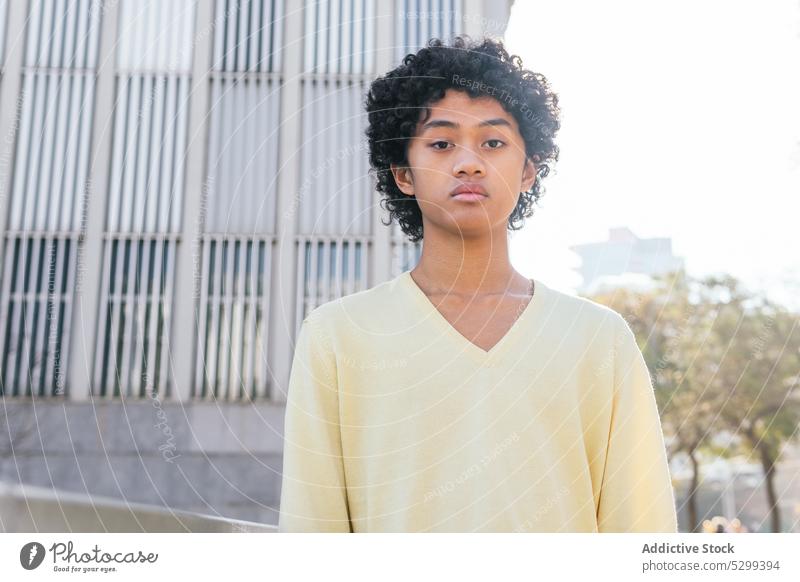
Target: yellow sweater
396 422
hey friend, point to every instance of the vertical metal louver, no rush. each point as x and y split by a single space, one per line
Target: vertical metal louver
232 326
3 13
336 193
154 58
248 35
47 194
339 36
240 204
329 267
420 20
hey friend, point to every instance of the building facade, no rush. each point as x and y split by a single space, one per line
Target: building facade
624 260
180 183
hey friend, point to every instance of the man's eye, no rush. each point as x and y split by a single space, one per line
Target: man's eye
433 145
498 141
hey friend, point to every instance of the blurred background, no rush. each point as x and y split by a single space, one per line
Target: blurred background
181 181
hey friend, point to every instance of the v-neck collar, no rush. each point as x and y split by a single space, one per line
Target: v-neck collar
476 353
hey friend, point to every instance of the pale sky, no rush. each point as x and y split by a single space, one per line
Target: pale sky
679 119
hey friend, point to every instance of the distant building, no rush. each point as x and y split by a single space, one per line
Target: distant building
624 260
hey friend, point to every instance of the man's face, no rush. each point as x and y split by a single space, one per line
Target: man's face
455 147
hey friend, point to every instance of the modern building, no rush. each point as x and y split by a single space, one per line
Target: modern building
180 183
624 260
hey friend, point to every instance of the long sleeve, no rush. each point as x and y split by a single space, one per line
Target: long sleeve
636 493
313 492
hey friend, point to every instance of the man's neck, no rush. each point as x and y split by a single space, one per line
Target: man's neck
468 266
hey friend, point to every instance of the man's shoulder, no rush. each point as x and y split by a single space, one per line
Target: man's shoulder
361 305
582 309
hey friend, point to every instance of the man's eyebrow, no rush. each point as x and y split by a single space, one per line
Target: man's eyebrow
451 124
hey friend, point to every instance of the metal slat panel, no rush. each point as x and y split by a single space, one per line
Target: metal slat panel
401 31
94 37
237 335
248 210
154 301
213 353
23 151
240 157
45 166
224 184
243 37
202 322
261 146
348 25
51 343
83 23
103 356
357 32
257 33
219 35
155 164
169 288
46 32
65 321
323 24
167 146
271 170
121 266
230 45
139 190
226 320
214 156
263 47
369 37
32 309
307 161
311 18
129 157
335 30
331 194
262 343
129 313
351 267
118 152
276 35
140 320
37 143
84 145
178 155
19 283
34 33
6 288
39 298
71 19
249 327
71 197
313 282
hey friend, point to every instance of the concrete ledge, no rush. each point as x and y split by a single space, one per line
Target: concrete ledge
36 509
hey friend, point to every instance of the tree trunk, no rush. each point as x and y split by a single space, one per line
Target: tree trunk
691 499
768 464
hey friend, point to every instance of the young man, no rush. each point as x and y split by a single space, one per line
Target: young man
461 396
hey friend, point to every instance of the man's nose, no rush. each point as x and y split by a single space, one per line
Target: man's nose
467 162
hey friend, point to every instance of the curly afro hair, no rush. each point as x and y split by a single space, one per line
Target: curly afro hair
395 101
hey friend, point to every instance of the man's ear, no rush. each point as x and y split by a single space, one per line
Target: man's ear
403 179
528 175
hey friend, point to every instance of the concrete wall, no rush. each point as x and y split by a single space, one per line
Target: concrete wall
215 459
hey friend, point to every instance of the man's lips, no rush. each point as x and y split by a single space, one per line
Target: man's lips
469 192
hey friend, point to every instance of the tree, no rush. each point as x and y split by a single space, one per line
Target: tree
760 372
